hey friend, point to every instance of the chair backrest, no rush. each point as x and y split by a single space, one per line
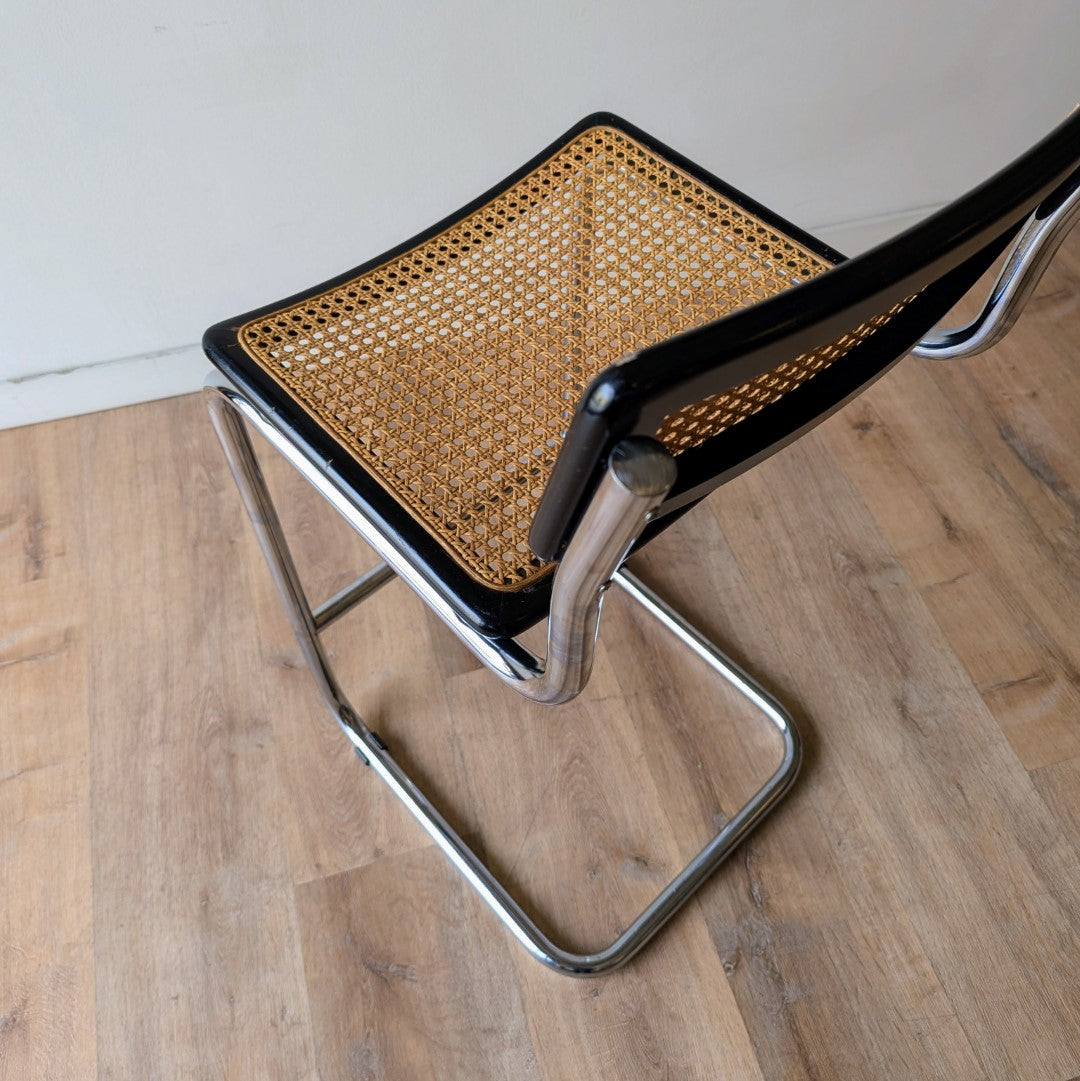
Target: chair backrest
845 327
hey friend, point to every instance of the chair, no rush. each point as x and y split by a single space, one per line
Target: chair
507 405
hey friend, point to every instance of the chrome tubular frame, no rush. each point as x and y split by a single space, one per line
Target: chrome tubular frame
1030 255
639 475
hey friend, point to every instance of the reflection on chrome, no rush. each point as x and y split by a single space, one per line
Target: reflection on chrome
1030 255
639 475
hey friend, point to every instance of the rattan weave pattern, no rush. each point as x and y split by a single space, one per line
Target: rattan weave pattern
452 371
692 425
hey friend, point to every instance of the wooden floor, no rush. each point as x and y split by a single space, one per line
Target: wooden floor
200 880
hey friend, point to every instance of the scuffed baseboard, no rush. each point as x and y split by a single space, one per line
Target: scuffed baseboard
106 385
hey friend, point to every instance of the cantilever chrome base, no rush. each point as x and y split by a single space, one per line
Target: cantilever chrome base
227 408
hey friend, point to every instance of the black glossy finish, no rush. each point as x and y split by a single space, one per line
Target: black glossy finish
950 250
942 256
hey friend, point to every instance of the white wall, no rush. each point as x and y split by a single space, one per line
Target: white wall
167 164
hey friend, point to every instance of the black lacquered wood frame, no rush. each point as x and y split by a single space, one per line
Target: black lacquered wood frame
941 257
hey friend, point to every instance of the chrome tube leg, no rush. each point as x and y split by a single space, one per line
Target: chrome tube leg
640 473
346 599
245 468
248 475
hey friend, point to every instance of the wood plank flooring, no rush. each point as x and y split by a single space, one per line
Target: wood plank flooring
200 879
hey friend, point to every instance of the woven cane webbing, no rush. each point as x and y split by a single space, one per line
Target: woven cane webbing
695 423
451 372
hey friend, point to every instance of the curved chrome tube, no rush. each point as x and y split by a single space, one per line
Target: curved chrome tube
640 475
1031 254
224 399
636 481
679 890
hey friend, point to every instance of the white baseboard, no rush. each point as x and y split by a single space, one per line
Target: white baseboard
92 387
